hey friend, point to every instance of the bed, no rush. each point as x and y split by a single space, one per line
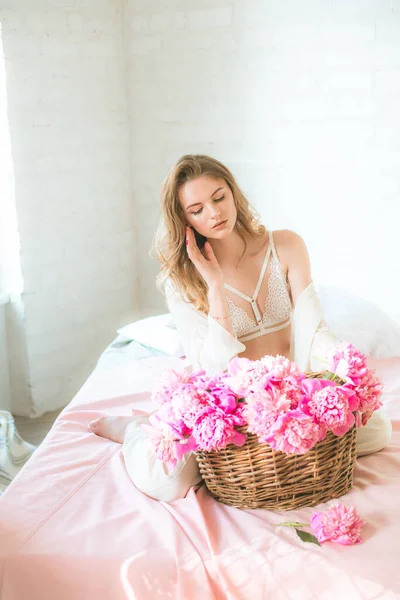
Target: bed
73 526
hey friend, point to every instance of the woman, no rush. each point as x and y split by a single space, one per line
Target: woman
234 289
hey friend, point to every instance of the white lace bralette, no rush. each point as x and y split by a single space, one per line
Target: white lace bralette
278 306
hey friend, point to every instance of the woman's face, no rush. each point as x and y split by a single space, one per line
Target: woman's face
208 206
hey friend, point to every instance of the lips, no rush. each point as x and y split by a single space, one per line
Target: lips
220 223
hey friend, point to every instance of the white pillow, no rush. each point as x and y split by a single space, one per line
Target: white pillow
158 332
361 322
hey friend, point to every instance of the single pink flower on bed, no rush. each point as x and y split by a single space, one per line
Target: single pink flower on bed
293 432
331 405
347 362
338 523
214 430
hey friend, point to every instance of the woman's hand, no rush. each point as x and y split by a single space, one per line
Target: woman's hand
206 263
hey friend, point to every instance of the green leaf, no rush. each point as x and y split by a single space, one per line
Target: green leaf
307 537
329 375
293 524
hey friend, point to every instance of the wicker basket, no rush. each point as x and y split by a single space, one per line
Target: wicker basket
255 476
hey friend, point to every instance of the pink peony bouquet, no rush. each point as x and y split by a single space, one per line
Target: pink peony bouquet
286 408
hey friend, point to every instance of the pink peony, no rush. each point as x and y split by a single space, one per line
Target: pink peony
188 402
224 398
369 393
239 413
168 445
171 379
261 409
293 432
289 387
166 414
201 380
331 406
214 430
348 363
240 376
280 366
338 523
285 376
166 384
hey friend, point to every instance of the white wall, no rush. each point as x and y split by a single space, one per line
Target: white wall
70 141
4 375
301 100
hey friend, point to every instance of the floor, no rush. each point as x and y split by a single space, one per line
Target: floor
35 430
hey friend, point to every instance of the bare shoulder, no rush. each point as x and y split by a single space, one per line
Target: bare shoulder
295 262
290 247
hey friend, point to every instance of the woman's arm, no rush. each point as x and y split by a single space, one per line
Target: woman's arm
207 344
312 338
295 261
219 309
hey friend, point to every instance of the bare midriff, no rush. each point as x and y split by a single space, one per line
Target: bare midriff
274 343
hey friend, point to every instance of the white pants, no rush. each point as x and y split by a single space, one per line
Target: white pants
151 476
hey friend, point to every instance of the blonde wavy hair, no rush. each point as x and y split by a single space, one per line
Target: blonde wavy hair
169 244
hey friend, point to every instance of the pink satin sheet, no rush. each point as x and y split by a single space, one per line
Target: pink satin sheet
74 527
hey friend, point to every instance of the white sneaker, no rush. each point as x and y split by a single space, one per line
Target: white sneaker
14 451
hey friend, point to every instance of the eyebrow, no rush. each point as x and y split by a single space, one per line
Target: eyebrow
196 203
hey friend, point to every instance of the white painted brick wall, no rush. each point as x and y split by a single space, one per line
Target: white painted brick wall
21 400
301 100
4 374
70 137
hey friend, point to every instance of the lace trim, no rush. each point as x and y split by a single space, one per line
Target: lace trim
277 305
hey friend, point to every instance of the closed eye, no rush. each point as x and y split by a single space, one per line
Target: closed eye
197 212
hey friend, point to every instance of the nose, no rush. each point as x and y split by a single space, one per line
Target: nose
215 213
